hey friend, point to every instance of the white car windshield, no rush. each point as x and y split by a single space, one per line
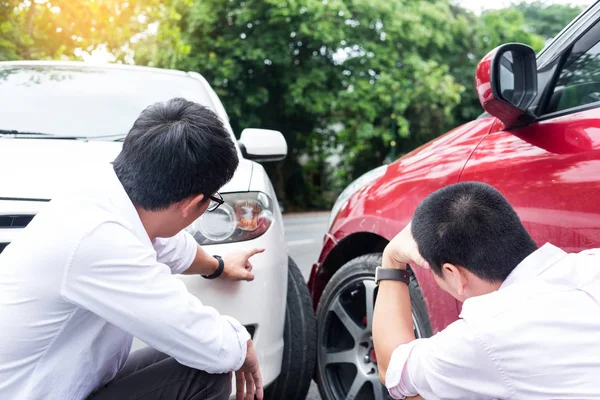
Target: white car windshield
86 101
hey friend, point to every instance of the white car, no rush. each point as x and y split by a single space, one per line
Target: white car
60 120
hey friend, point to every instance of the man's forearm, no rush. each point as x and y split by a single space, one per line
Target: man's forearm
392 321
203 264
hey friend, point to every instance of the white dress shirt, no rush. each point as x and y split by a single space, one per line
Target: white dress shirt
537 337
84 278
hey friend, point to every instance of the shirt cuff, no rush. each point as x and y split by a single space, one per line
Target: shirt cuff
190 250
243 338
397 380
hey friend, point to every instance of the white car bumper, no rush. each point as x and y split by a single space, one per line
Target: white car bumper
259 304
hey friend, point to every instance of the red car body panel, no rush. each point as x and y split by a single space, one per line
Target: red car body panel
386 206
550 172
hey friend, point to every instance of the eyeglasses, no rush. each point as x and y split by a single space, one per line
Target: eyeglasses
215 202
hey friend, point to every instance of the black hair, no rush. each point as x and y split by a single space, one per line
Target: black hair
472 225
175 150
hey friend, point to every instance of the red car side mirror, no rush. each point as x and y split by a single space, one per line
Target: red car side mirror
506 83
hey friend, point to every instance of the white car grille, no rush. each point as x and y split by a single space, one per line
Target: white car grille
15 214
15 221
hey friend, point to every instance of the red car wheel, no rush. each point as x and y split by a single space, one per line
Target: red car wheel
346 360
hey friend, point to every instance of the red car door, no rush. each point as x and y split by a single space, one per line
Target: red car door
550 169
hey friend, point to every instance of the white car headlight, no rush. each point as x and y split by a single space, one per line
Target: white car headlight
353 188
243 216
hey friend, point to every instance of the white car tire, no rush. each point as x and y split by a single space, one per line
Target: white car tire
300 342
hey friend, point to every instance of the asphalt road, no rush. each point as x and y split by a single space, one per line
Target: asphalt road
304 237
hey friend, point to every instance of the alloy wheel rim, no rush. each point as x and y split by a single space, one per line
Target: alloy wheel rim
347 360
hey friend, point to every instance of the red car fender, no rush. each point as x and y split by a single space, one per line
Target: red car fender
378 211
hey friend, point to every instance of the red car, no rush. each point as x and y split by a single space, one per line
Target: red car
538 143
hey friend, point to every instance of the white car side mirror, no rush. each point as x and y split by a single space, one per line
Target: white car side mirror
263 145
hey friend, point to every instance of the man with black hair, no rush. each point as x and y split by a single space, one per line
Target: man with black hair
530 320
98 267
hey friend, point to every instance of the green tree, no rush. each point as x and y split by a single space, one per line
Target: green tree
486 32
11 37
330 74
397 76
64 29
546 20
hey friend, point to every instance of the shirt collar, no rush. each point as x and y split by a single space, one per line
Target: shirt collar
492 303
536 263
123 205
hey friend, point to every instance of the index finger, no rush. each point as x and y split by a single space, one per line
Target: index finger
252 252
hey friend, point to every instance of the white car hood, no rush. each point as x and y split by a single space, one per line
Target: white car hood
42 168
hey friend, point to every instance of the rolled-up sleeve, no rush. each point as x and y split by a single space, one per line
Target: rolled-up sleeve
117 277
177 252
450 365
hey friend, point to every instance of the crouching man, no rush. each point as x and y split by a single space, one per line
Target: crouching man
530 318
97 267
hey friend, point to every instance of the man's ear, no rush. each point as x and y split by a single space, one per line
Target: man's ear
190 205
456 277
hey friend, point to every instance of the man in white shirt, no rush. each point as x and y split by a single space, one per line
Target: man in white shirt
530 322
98 267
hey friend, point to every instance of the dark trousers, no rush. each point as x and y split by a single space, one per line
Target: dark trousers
151 375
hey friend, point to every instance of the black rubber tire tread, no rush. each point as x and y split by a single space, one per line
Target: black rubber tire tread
363 266
300 342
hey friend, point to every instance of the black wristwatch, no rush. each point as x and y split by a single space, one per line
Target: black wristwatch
391 274
219 270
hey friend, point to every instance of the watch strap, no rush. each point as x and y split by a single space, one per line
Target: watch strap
219 270
392 274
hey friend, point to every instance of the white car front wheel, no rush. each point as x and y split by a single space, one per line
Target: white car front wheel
300 342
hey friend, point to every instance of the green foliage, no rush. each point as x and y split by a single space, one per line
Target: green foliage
330 75
11 37
64 29
546 20
490 30
350 83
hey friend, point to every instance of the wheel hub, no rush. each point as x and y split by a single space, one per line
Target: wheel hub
369 358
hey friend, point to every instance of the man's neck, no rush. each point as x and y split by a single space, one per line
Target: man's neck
151 220
481 287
